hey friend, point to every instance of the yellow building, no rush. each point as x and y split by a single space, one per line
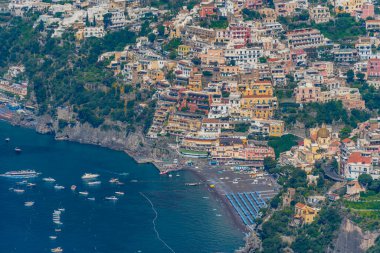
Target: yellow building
195 82
183 50
305 213
348 6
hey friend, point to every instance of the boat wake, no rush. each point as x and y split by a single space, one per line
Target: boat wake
154 222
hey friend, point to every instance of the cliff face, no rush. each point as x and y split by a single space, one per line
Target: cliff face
351 239
134 143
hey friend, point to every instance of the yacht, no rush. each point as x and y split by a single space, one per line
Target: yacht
113 198
83 193
119 193
19 190
114 180
59 187
94 182
90 176
57 250
53 237
20 174
29 203
48 179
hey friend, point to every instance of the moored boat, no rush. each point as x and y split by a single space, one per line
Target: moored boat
19 190
29 203
20 174
90 176
83 193
18 150
48 179
113 198
119 193
57 250
94 183
59 187
73 187
52 237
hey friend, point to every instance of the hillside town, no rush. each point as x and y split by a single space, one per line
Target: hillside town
232 81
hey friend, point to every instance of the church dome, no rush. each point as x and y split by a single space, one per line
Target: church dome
323 132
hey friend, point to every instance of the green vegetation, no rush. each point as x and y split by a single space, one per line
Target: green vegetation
283 143
242 127
314 114
63 74
251 14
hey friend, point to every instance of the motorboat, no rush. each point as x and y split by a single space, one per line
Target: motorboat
31 184
83 193
94 183
90 176
29 203
113 198
48 179
22 182
21 174
92 198
113 180
59 187
7 139
73 187
57 230
18 150
19 190
61 209
119 193
52 237
57 250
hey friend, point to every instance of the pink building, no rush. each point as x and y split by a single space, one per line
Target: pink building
373 68
254 4
254 153
368 10
307 93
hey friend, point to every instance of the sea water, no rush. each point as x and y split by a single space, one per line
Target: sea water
156 214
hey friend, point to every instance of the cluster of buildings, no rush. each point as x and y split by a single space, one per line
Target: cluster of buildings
357 155
10 86
215 85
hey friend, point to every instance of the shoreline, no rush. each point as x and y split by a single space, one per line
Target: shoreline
158 164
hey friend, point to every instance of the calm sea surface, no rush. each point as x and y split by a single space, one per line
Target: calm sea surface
188 218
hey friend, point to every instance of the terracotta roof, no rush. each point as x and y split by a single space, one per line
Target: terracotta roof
347 140
356 157
300 205
207 120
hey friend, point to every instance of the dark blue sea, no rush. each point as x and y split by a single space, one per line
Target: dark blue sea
188 219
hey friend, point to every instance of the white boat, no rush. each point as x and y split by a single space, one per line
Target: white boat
53 237
19 190
94 183
58 223
29 203
22 182
170 175
59 187
18 150
73 187
113 198
7 139
57 230
61 209
20 174
119 193
90 176
48 179
113 180
31 184
83 193
57 250
92 198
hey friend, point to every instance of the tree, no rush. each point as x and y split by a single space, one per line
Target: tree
151 37
345 132
350 76
269 163
365 179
